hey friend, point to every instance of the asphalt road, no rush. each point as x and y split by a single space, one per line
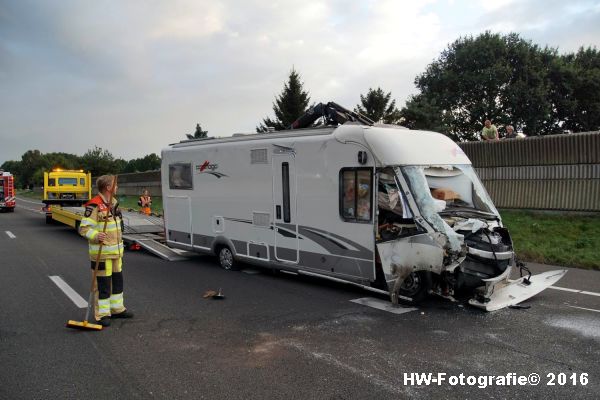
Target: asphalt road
273 336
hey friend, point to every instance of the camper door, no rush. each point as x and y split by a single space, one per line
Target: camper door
285 227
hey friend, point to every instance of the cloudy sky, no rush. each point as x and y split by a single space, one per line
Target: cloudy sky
134 76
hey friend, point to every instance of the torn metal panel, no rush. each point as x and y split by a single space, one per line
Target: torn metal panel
419 252
503 292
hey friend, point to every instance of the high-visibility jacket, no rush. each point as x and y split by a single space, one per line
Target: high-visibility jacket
97 211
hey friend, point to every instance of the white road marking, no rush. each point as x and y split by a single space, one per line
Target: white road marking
583 308
590 293
39 202
10 235
71 294
574 291
383 305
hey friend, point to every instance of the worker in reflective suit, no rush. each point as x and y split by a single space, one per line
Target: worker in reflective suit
109 279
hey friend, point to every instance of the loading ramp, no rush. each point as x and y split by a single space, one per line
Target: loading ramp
145 230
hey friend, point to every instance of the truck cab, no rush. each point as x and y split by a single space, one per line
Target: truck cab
65 188
7 191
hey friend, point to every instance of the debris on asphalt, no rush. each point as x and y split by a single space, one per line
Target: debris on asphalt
519 307
215 295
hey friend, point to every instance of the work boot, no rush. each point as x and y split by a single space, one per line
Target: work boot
123 314
104 321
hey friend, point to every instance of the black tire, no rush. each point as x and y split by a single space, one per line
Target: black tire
226 259
49 219
416 286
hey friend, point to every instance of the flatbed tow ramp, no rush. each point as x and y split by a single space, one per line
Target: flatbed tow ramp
144 230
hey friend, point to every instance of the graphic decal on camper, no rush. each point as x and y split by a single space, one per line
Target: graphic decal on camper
334 244
207 168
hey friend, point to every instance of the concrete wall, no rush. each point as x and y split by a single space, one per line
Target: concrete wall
559 172
133 184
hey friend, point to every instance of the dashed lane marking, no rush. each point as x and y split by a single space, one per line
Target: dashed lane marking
68 290
583 308
564 289
383 305
10 235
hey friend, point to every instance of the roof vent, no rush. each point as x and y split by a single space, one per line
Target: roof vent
258 156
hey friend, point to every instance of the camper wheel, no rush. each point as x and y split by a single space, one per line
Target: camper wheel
226 260
416 286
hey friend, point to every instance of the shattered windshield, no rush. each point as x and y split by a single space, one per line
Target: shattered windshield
454 190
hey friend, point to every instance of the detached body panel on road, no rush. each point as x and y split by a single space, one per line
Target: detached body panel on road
386 208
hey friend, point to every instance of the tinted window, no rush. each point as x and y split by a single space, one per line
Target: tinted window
51 182
180 176
67 181
82 181
356 185
285 180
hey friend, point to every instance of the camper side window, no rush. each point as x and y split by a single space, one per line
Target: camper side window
356 194
180 176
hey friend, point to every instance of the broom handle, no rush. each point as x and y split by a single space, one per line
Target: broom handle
94 274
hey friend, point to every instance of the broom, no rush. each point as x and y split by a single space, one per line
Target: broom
85 325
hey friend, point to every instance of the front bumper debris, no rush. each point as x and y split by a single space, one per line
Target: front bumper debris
501 292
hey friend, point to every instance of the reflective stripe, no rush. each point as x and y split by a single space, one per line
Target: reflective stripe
87 222
91 222
107 250
104 307
116 299
91 234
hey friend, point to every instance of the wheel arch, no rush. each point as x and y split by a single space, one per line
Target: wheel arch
221 241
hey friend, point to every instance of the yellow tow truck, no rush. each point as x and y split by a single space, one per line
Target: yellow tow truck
63 191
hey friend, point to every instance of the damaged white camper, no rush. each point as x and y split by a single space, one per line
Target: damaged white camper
393 210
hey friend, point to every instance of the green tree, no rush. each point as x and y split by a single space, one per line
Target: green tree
99 162
291 103
198 134
149 162
62 160
580 98
499 77
120 166
378 106
14 167
31 161
424 114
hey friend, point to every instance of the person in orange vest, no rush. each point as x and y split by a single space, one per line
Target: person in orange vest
145 202
109 280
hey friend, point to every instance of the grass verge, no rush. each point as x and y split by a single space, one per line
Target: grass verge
553 238
126 202
29 194
130 202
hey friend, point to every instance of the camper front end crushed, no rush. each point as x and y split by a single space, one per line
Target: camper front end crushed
392 210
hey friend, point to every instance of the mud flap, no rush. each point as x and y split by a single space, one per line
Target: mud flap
502 292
